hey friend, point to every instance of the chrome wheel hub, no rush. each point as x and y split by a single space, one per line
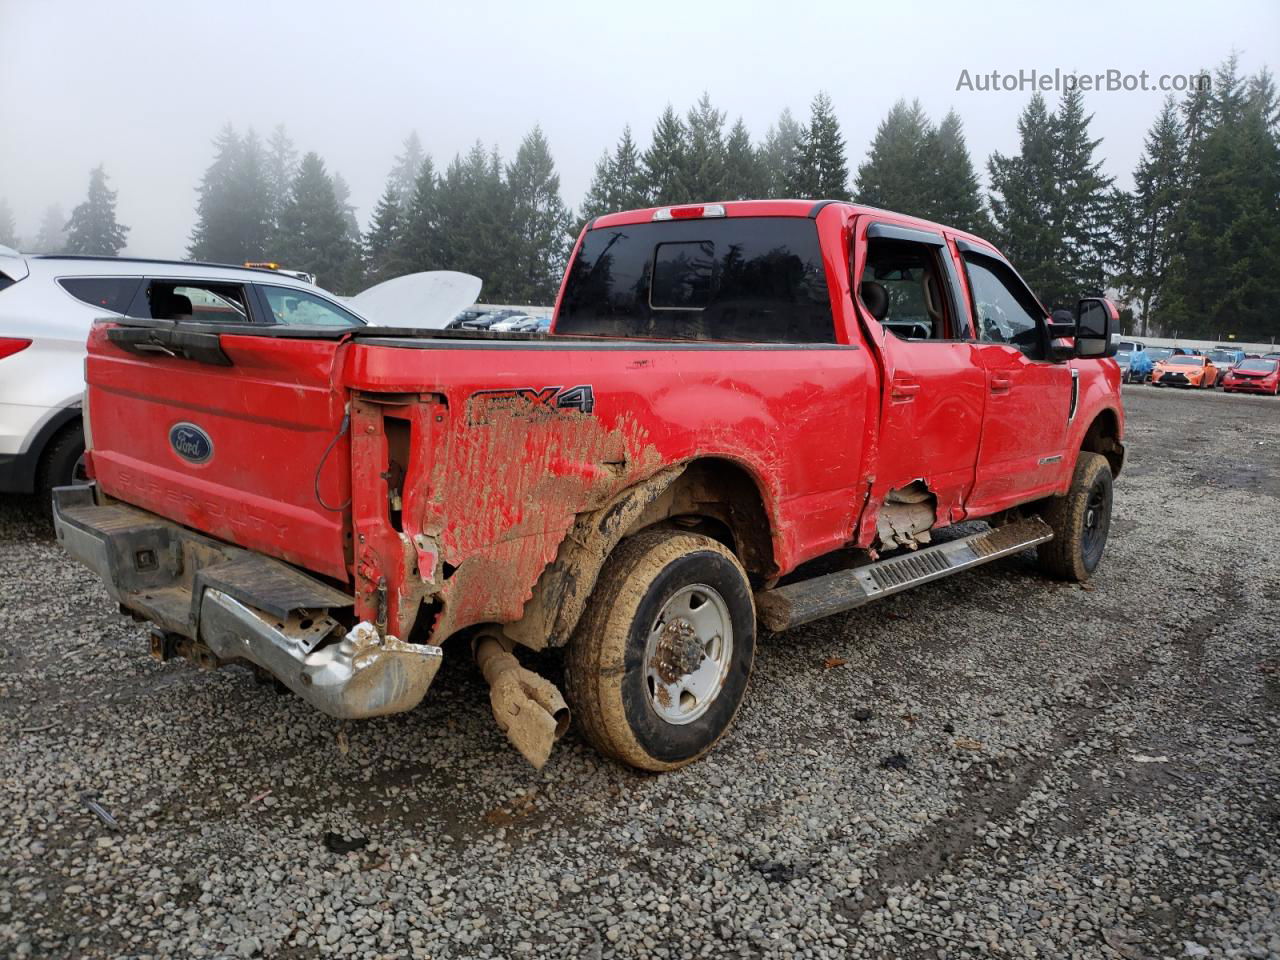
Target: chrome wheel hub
687 654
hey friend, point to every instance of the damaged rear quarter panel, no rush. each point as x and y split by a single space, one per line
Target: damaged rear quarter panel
502 482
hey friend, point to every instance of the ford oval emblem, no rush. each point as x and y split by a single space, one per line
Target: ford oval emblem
190 442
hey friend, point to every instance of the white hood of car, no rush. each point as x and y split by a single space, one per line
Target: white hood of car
424 300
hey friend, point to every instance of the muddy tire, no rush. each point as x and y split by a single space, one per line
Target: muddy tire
1080 521
658 666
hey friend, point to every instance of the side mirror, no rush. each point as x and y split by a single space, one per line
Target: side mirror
1096 320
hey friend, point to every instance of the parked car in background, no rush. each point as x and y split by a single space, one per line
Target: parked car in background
513 323
1185 370
1135 362
1253 376
47 305
1224 358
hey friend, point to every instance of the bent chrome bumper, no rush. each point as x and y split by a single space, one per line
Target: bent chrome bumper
235 605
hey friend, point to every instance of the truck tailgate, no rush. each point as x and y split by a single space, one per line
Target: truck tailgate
233 450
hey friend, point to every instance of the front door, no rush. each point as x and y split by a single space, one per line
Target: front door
932 411
1030 399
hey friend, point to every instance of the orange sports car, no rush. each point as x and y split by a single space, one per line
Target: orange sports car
1185 370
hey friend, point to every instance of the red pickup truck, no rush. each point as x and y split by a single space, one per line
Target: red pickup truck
745 413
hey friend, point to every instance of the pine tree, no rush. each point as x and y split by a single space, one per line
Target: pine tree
93 229
821 172
383 239
1025 205
705 158
8 228
1225 273
897 174
779 156
955 196
281 168
540 222
599 193
743 178
628 174
417 245
354 279
404 173
618 181
52 236
474 213
234 217
666 162
1082 217
1146 238
313 229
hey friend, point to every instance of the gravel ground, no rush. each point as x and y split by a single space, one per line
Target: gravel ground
1002 766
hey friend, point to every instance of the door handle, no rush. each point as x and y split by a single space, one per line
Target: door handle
1001 384
903 389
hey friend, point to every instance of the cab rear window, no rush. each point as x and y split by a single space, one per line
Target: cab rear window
754 279
108 293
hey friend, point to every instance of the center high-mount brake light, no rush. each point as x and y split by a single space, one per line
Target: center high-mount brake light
689 213
11 345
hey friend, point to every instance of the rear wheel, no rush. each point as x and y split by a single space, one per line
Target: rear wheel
659 663
1081 521
62 463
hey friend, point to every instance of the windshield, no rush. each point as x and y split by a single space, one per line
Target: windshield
1258 366
1222 356
1159 353
1187 361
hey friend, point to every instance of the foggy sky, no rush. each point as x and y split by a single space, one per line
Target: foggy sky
143 87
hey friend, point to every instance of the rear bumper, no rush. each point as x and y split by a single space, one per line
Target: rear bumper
234 605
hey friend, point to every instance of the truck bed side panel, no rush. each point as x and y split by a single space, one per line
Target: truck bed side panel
513 465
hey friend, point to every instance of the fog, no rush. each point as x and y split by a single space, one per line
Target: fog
144 87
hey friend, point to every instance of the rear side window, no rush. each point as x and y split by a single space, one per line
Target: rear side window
106 293
195 301
755 279
5 281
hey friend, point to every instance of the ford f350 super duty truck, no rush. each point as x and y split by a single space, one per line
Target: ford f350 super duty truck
729 393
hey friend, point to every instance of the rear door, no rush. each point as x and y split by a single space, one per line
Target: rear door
234 430
1030 399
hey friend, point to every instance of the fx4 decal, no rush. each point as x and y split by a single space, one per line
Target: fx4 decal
484 406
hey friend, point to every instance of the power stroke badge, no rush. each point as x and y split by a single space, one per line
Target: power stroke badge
190 442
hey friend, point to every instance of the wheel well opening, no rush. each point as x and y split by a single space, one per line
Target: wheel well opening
718 498
1103 436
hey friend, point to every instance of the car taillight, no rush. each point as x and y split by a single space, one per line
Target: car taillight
11 345
689 213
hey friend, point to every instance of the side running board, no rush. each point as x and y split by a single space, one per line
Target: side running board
797 603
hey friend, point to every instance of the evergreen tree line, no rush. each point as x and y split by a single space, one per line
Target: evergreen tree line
92 229
1193 248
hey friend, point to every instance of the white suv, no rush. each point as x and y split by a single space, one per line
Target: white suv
47 304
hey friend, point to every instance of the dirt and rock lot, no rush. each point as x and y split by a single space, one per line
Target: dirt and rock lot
1001 765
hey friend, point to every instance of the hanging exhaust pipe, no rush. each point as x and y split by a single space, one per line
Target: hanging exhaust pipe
528 708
